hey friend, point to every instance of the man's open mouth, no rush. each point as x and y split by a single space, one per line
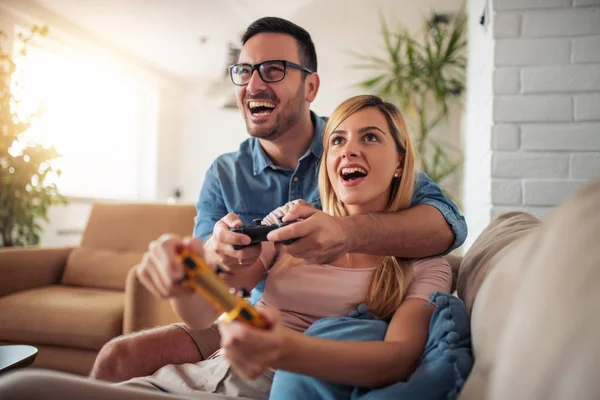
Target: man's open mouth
261 108
352 173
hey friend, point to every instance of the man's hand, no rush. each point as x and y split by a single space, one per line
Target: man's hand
219 248
160 270
278 213
321 238
249 350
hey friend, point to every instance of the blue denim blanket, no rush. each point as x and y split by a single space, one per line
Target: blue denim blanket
441 372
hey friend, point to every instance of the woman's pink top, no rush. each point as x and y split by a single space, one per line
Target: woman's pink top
304 293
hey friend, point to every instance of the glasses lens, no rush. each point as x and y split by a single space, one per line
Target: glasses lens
240 74
272 71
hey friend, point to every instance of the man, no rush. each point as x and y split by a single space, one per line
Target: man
276 80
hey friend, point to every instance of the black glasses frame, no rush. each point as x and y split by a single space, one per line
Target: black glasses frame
256 67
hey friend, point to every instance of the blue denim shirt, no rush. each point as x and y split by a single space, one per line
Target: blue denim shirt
247 183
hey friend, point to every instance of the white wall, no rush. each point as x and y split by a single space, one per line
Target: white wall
544 136
477 125
336 26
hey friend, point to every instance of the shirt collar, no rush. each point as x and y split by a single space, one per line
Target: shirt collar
261 161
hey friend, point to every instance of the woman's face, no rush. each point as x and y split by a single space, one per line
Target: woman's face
362 159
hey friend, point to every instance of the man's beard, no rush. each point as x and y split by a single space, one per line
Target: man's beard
284 120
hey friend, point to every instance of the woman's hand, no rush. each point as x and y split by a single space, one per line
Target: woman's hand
278 213
249 350
161 271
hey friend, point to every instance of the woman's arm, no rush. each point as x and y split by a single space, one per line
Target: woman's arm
367 364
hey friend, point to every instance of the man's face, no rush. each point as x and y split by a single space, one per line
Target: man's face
271 109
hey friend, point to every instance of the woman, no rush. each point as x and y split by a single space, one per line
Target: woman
368 167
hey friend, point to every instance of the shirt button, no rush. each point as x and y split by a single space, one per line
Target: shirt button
295 179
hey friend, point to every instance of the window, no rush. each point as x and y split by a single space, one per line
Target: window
101 119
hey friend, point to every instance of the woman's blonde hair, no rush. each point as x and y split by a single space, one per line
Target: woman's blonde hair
391 277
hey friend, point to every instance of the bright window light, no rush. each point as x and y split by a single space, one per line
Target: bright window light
96 117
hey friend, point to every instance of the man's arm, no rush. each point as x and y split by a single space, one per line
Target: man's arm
142 353
432 226
427 192
210 206
420 231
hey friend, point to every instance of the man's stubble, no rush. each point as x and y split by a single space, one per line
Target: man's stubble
289 115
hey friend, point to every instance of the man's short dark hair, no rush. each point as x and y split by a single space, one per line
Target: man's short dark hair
306 48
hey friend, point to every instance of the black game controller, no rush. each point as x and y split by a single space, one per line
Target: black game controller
258 233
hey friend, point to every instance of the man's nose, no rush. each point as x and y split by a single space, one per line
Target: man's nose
256 84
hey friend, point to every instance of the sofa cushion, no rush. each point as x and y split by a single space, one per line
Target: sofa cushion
132 226
99 268
496 240
488 280
62 316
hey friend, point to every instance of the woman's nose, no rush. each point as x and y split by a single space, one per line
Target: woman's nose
349 152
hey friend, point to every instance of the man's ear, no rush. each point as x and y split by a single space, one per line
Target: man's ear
311 86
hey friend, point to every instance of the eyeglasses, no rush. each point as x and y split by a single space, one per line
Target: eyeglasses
269 71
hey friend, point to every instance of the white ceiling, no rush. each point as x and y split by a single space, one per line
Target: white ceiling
166 33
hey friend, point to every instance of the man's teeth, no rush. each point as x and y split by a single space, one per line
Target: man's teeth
256 104
347 171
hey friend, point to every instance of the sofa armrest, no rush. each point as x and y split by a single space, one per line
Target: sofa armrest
454 260
23 268
142 309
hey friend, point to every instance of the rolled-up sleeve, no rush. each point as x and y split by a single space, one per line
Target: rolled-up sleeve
210 207
427 192
429 275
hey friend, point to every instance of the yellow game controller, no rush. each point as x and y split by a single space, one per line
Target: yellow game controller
204 280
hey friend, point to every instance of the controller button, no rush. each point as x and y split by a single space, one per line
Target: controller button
246 314
219 270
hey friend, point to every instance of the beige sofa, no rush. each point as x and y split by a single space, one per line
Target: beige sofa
68 302
533 291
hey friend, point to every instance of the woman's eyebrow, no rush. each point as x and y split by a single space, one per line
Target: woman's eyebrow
369 128
338 131
361 130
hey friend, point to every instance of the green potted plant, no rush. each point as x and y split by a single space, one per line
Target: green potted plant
423 74
26 192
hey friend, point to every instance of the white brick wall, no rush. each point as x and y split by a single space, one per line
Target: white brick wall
545 133
519 51
532 108
506 137
587 106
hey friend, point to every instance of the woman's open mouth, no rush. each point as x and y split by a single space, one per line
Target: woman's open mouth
352 176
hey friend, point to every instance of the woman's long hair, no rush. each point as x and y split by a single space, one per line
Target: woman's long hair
391 277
